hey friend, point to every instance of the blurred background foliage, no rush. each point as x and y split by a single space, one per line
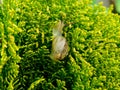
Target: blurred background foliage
107 3
93 35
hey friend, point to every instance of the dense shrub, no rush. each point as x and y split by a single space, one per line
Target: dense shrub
93 35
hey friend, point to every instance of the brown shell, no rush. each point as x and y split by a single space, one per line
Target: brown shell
60 55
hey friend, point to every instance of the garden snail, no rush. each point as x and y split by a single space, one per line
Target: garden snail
59 44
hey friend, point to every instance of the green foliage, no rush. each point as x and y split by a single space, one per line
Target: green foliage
117 5
9 68
92 33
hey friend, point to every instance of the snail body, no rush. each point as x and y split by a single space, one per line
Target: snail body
59 44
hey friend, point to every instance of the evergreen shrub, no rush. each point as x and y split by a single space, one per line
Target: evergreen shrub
93 35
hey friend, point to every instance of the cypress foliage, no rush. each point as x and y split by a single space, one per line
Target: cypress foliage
92 32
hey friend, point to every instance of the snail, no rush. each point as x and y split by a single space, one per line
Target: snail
60 46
